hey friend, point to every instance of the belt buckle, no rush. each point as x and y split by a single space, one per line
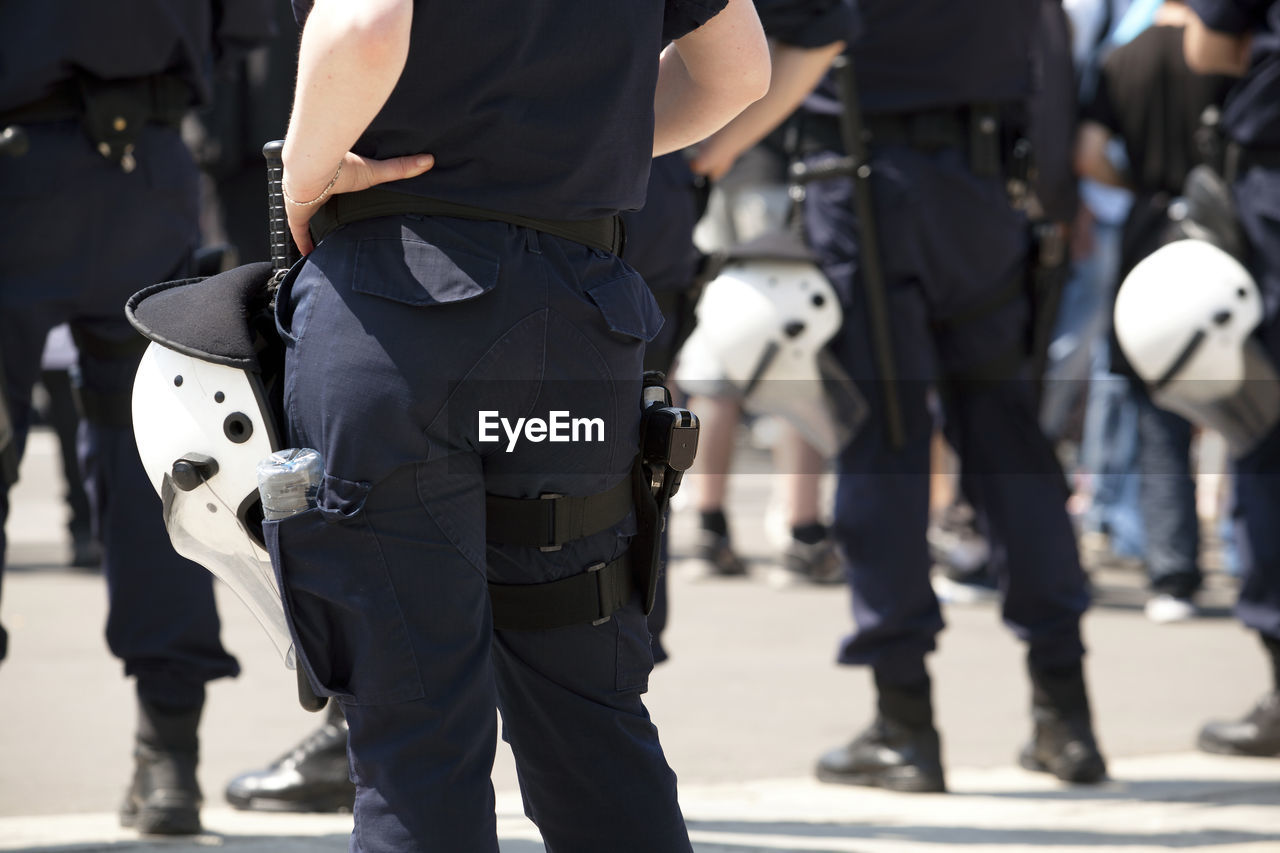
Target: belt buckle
551 522
595 568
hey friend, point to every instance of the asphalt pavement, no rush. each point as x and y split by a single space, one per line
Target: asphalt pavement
748 700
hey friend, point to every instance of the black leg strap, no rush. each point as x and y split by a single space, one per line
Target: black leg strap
591 597
553 520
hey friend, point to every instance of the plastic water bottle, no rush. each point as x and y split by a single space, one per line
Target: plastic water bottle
288 481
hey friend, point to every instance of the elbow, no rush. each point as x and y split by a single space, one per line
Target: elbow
753 83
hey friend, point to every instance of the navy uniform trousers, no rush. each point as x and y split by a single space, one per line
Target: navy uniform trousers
950 246
1257 193
77 237
400 331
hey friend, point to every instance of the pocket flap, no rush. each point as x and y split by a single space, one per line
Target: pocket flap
415 272
628 306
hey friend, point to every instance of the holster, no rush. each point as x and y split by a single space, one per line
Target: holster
668 442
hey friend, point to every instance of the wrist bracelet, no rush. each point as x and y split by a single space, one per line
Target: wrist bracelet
323 195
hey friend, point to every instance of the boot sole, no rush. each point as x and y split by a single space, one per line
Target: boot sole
1219 748
1091 773
154 821
901 784
320 804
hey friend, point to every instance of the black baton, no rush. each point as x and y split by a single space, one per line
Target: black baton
851 132
284 254
8 444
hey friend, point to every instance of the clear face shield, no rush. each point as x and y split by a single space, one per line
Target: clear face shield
207 531
201 430
1245 409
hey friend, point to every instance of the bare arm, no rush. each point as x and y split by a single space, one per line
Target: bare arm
352 55
1091 159
1211 52
709 76
796 71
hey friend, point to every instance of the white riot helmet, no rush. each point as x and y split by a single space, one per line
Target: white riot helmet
1184 318
204 415
763 323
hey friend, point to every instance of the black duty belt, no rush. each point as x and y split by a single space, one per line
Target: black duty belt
605 233
982 130
167 97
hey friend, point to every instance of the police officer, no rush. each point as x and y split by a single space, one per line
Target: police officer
804 37
312 776
934 286
486 287
1242 39
103 200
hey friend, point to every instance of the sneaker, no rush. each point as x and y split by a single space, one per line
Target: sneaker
715 552
956 587
817 563
1164 609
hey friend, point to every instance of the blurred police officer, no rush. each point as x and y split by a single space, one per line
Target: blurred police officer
804 36
1242 38
943 88
104 201
491 281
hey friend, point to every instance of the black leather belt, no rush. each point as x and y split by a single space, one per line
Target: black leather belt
605 233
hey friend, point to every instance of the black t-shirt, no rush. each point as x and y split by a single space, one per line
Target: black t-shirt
808 23
45 43
1252 113
540 108
1151 100
914 55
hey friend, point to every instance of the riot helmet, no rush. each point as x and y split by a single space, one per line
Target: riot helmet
206 410
1184 318
763 324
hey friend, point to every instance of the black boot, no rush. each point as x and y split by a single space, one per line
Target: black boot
1258 733
164 798
312 777
900 750
1062 742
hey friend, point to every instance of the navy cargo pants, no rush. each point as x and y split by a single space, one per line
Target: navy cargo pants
954 254
1257 193
78 236
402 333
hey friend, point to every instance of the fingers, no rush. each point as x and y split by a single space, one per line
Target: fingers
398 168
301 234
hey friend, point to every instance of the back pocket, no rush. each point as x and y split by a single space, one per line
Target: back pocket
415 272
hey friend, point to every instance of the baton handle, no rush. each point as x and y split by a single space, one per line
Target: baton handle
283 251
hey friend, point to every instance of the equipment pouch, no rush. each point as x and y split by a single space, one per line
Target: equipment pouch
115 111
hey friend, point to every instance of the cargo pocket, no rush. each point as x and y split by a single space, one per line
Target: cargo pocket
415 272
627 305
339 601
